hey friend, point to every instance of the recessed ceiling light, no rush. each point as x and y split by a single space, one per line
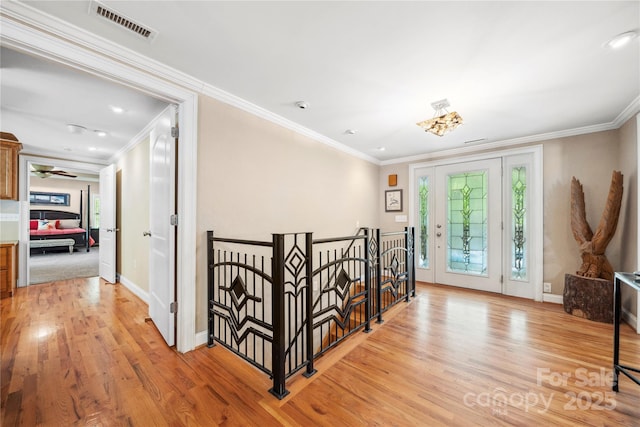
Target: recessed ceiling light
100 133
116 109
380 148
621 40
350 131
303 105
93 149
67 149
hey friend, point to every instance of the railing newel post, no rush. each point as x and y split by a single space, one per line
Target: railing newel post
277 313
367 282
412 270
309 305
210 289
378 277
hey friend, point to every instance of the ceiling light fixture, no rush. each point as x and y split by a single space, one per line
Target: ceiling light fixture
100 133
303 105
116 109
350 131
621 40
442 121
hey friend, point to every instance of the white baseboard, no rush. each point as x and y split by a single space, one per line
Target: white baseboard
632 320
202 338
554 298
140 293
627 316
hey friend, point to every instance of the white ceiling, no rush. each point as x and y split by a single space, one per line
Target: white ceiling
40 98
510 69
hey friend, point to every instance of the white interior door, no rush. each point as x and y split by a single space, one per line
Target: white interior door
108 230
468 225
162 207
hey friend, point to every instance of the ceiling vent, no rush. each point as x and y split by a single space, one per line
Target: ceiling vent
99 9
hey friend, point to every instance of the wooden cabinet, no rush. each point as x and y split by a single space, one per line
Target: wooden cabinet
8 268
9 148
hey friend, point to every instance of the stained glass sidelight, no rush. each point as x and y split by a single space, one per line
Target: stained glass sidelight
423 190
519 209
467 223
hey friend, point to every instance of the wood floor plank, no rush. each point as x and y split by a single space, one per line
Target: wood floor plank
82 352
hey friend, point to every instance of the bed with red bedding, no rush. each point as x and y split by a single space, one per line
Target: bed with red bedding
51 224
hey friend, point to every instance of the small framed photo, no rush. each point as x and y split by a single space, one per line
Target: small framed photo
393 201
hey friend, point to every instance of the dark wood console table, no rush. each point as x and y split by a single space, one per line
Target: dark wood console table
634 282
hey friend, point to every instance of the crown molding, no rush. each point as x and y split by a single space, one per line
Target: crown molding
21 22
258 111
27 150
496 145
632 109
17 17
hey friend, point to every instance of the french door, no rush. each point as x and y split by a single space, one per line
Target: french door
476 226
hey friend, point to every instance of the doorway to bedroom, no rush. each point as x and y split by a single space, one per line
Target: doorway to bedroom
64 211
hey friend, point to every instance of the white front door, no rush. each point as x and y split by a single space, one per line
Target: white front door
468 225
162 206
479 227
108 230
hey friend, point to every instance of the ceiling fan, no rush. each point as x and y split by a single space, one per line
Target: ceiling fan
44 171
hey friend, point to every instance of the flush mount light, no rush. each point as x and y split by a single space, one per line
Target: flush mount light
442 121
621 40
76 128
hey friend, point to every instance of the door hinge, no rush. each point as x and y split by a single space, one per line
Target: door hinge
175 132
502 278
173 307
174 219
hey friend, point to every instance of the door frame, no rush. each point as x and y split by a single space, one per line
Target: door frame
536 196
24 29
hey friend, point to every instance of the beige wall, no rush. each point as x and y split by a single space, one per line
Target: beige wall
628 224
71 186
132 215
591 158
256 178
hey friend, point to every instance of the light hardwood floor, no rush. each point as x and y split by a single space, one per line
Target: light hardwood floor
79 352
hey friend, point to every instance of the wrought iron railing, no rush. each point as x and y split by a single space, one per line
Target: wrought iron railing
280 304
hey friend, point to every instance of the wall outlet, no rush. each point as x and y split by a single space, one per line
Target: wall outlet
546 287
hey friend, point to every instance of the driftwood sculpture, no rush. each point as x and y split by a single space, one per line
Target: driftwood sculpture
593 245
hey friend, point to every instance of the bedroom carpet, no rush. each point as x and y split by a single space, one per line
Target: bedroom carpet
62 266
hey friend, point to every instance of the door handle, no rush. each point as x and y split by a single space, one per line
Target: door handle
112 230
146 233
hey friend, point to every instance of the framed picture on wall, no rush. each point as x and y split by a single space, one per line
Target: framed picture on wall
393 201
57 199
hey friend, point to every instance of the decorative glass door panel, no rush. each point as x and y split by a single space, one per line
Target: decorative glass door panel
468 225
423 213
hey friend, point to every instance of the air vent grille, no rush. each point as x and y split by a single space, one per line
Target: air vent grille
122 21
